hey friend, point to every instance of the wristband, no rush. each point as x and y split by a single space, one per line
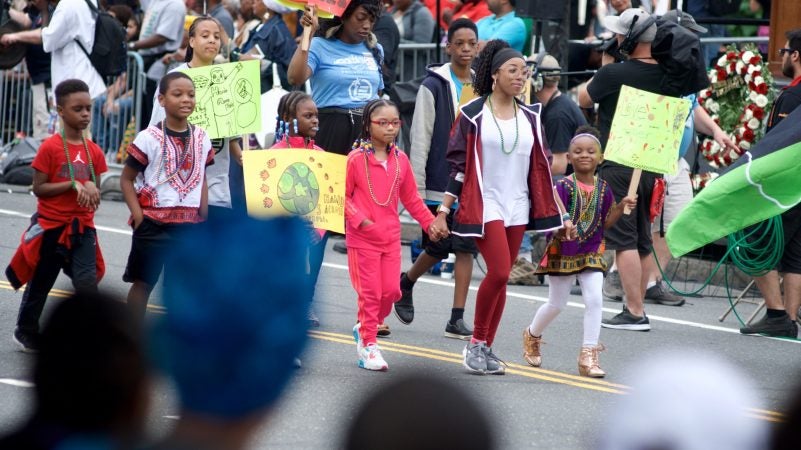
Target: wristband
444 209
565 217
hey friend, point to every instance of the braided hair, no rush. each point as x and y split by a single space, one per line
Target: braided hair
190 52
286 109
483 83
332 27
371 107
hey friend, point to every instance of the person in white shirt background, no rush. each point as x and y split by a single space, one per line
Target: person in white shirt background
71 20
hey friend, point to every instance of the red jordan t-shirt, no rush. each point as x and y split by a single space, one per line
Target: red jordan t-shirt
51 160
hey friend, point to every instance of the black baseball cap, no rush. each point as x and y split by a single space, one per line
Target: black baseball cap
684 19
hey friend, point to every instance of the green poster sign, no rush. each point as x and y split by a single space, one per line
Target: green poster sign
228 98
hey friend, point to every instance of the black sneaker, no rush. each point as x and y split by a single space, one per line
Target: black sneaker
613 289
627 321
29 343
657 293
341 247
773 326
458 330
404 308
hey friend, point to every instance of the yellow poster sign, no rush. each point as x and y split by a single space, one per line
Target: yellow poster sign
228 98
647 130
308 183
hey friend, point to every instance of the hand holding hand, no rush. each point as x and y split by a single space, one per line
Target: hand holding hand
83 196
93 195
438 228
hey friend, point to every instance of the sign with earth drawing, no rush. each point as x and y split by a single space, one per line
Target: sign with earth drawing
228 98
302 182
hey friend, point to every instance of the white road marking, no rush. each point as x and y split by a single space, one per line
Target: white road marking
17 383
97 227
687 323
581 305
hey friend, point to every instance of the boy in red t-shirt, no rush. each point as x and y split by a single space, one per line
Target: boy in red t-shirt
62 234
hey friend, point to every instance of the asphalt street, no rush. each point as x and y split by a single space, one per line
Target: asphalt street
549 408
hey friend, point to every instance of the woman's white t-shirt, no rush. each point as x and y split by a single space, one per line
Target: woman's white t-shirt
505 177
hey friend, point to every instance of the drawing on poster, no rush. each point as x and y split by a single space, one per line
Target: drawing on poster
228 98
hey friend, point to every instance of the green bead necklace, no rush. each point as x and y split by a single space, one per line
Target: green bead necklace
69 161
585 213
517 133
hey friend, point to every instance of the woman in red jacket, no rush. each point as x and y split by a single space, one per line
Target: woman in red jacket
501 176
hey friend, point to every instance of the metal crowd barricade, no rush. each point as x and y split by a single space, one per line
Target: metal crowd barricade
412 59
109 125
16 106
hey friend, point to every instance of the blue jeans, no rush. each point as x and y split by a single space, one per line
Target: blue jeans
108 131
525 244
316 254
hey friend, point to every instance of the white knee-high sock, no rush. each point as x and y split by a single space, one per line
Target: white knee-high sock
591 286
558 293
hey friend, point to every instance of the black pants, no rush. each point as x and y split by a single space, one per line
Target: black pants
79 262
338 130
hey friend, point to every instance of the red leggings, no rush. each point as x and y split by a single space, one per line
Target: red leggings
499 247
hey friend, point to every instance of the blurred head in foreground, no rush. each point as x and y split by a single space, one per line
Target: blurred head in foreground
417 412
236 319
90 378
685 402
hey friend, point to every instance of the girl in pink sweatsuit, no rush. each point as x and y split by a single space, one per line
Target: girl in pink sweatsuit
378 175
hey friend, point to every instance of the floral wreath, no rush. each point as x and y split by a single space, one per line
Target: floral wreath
739 100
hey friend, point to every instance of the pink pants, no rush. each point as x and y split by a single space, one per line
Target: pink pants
374 275
499 247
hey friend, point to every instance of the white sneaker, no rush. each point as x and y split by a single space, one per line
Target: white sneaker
370 358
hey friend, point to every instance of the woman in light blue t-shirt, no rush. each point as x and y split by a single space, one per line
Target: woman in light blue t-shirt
343 64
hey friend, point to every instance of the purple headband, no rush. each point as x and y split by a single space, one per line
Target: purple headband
580 135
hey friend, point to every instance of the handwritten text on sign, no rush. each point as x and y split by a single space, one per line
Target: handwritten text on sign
228 98
647 130
307 183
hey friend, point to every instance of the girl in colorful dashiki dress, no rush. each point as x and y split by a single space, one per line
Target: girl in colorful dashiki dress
592 208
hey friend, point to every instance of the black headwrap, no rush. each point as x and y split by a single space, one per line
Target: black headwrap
503 55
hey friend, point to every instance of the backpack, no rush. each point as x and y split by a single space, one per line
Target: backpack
678 52
16 159
109 54
724 7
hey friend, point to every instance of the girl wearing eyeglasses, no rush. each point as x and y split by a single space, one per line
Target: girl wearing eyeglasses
378 176
501 176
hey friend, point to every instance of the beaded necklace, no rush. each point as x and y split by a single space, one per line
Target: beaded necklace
69 160
366 148
500 133
585 215
189 148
